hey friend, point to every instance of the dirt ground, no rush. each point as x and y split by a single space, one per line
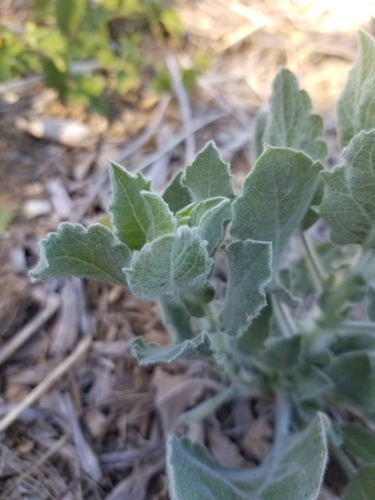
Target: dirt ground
78 418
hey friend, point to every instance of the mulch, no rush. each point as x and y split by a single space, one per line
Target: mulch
78 417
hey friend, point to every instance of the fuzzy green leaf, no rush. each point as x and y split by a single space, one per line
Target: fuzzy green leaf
362 487
74 251
161 219
130 213
350 342
289 122
183 215
311 382
197 211
359 441
293 473
312 216
208 176
356 106
177 318
176 195
252 339
250 269
282 353
283 294
260 125
151 353
275 197
349 205
211 217
195 302
354 377
173 264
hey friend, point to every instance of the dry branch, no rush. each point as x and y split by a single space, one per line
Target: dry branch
46 384
28 330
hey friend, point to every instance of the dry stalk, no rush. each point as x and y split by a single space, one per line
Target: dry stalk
46 384
28 330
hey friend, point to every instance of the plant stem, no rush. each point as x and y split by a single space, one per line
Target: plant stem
210 317
343 459
352 327
313 262
282 420
285 321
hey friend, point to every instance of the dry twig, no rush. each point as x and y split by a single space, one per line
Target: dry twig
46 384
197 124
28 330
183 101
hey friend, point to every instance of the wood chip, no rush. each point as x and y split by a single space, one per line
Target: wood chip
224 450
35 208
87 458
66 329
256 441
66 132
176 393
60 199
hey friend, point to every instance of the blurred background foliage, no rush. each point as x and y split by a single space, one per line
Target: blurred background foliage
85 48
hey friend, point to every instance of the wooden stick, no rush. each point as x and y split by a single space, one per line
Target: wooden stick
147 134
28 330
46 456
183 102
197 124
46 384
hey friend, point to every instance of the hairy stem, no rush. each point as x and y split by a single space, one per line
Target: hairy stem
284 319
282 420
313 263
359 326
210 316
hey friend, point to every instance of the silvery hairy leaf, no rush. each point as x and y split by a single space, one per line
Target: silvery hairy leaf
177 318
86 253
208 176
173 264
275 197
211 217
349 205
195 302
283 293
362 486
289 121
250 269
356 106
352 341
161 219
282 353
260 125
359 441
310 382
252 339
130 213
176 195
354 377
294 472
151 353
